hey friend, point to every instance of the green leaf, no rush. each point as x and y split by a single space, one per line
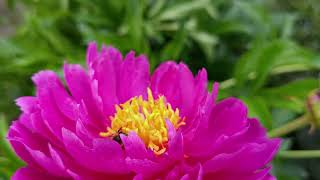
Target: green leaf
286 144
288 170
253 15
134 21
173 49
225 27
11 4
298 88
258 108
288 23
282 116
253 10
8 49
266 62
263 60
206 41
291 95
156 7
182 9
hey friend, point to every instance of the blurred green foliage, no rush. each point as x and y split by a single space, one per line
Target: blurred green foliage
261 51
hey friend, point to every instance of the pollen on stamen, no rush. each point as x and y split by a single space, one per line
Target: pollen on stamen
147 118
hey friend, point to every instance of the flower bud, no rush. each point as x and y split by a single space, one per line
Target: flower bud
313 107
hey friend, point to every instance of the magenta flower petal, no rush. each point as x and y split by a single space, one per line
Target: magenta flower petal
28 173
259 175
107 151
175 147
195 173
26 103
134 75
80 88
177 84
134 146
116 121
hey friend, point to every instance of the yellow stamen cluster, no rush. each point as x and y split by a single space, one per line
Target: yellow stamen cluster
147 118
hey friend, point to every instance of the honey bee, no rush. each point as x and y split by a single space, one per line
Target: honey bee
117 137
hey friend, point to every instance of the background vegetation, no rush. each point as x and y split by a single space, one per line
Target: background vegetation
265 52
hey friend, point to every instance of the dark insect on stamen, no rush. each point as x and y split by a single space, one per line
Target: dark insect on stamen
117 136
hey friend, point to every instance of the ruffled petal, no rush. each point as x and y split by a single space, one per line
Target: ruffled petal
27 104
175 147
81 89
228 117
19 136
106 151
134 146
257 175
52 165
145 167
54 102
114 76
257 154
34 150
134 75
177 84
195 173
225 119
104 70
166 81
27 173
92 54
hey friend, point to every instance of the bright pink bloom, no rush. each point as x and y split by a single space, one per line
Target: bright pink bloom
64 134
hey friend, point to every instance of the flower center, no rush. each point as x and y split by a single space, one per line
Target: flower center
147 118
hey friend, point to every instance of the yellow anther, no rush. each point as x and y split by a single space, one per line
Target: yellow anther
147 118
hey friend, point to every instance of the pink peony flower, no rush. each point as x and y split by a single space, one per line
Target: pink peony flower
116 121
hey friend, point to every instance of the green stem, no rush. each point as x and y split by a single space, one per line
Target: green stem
299 154
289 127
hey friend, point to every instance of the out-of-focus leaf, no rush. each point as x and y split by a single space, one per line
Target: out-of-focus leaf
4 173
90 34
135 23
11 4
173 49
287 22
285 144
226 27
182 9
293 104
262 60
8 49
290 96
212 11
206 42
282 116
258 108
251 12
266 62
288 170
156 7
299 88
